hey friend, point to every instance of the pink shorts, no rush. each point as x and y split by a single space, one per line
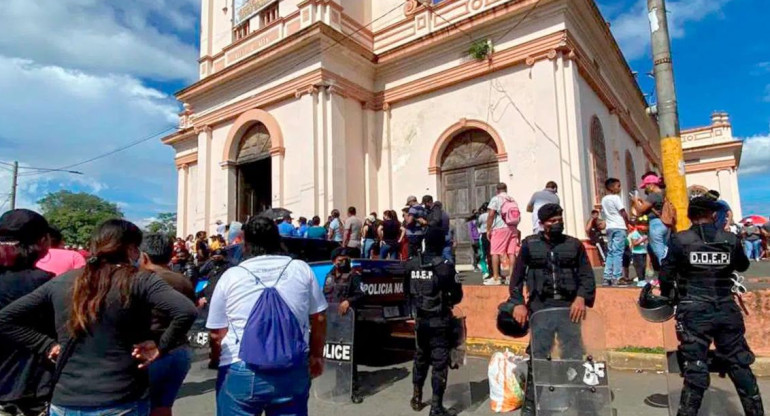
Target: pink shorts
504 241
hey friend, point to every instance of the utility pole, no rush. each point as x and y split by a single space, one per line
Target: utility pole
668 117
14 180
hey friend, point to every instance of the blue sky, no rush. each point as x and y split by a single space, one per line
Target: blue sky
83 77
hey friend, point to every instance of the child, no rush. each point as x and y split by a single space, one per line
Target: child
638 243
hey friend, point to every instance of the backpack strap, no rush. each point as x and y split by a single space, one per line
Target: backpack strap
259 281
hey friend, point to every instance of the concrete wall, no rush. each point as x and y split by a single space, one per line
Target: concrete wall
623 325
725 181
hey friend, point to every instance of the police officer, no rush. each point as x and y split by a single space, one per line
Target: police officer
433 289
701 261
555 268
343 287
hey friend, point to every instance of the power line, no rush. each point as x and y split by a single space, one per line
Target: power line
120 149
103 155
537 3
430 7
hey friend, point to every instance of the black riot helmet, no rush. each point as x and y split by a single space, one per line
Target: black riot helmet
654 308
507 325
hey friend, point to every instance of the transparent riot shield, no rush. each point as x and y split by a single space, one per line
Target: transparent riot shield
719 399
335 385
569 364
458 391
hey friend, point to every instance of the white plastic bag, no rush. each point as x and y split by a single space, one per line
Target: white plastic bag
507 373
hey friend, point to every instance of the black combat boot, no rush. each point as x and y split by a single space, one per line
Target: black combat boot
752 405
689 404
416 401
437 407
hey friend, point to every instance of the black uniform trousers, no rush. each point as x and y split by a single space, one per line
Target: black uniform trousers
434 343
700 321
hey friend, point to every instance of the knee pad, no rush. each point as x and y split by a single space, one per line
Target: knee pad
696 373
744 380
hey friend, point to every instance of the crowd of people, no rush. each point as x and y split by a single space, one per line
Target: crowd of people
106 331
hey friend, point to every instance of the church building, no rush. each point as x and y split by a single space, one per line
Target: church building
312 105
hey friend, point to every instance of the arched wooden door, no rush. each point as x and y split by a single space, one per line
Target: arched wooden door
469 175
254 172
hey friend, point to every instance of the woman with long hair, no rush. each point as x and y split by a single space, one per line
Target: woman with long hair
24 375
102 315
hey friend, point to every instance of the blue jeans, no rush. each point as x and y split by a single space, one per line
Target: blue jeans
247 392
753 249
388 251
447 254
140 408
167 375
613 267
368 245
659 236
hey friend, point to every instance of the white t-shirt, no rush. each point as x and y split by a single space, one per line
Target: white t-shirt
237 291
496 203
611 207
354 225
336 228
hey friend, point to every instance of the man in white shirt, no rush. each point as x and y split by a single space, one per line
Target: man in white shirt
616 218
284 392
352 234
538 200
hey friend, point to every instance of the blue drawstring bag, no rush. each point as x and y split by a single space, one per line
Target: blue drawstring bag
272 338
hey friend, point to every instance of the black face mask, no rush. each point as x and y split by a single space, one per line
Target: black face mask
344 266
556 230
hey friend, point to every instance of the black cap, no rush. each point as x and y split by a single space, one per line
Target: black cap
702 205
549 211
23 225
340 251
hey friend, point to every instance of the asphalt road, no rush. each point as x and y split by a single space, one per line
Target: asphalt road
387 390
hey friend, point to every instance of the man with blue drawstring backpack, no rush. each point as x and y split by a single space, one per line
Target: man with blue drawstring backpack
268 314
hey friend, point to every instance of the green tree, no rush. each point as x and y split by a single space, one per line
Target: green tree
164 223
77 214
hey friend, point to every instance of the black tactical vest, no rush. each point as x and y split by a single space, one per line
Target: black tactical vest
426 297
708 265
552 270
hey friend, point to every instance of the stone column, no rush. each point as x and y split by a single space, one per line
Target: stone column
181 201
204 177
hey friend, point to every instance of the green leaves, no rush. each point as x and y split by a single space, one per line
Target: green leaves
164 223
77 214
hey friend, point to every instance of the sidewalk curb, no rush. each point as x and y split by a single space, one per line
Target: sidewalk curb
628 361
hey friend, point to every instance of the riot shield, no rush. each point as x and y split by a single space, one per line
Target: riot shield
458 391
335 385
569 364
717 400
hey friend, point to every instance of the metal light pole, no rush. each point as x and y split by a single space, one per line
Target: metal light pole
668 117
14 182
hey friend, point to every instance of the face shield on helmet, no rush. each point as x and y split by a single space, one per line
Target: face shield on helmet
655 308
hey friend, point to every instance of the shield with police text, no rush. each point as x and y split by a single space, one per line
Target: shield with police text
335 385
458 391
569 364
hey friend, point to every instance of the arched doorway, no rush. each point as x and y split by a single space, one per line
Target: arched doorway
469 173
254 172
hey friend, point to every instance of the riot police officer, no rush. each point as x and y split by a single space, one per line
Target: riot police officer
432 288
701 262
343 287
555 268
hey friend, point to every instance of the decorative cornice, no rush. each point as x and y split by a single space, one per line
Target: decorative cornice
731 145
206 128
186 160
310 89
179 136
710 166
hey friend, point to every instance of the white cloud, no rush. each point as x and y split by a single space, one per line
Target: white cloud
139 37
632 29
756 155
53 117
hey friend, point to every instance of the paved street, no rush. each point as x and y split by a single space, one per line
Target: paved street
388 389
